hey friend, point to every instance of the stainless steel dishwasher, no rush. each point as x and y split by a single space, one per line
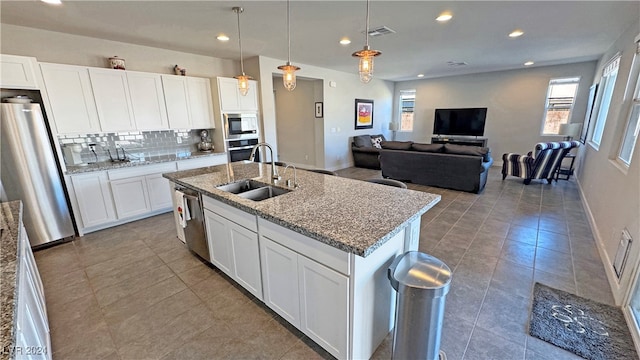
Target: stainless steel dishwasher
194 232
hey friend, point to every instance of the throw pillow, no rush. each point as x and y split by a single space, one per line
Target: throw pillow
362 141
467 150
397 145
427 147
376 141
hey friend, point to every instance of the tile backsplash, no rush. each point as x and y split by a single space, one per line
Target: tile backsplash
136 144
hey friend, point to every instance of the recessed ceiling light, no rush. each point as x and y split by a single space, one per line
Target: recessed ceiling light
345 41
529 63
516 33
52 2
445 16
222 37
420 75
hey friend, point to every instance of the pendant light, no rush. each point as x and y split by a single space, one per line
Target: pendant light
288 70
243 80
366 55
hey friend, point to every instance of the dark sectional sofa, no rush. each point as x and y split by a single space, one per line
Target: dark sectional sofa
364 153
450 166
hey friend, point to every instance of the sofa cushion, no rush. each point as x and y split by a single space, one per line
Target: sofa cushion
427 147
376 141
362 141
468 150
397 145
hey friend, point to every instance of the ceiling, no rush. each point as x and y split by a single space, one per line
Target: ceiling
555 32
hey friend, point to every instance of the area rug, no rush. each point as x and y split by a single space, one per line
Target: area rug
582 326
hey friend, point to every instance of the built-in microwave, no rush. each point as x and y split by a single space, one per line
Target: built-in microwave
240 124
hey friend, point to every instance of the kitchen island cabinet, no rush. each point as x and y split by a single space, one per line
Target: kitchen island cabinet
24 326
324 249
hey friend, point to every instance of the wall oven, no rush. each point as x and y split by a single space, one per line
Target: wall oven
239 126
239 150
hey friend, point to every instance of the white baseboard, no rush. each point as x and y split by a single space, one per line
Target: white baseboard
616 290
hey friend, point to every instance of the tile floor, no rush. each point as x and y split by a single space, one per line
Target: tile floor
135 292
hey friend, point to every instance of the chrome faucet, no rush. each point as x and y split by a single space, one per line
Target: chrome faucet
252 157
295 176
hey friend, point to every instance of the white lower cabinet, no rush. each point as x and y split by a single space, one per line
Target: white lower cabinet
32 327
280 280
233 248
324 305
93 195
309 295
218 237
130 196
159 192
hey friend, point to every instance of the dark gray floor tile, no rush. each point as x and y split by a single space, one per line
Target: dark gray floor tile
497 348
555 281
463 302
517 252
512 278
554 262
505 314
449 253
554 241
455 337
523 234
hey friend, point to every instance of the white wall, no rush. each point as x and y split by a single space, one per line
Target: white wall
514 99
295 122
611 196
55 47
339 106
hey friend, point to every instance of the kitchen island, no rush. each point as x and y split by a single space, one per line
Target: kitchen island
24 327
316 255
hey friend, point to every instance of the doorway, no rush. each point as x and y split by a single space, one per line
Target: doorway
296 124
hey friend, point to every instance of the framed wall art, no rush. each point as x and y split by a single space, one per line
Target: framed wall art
364 114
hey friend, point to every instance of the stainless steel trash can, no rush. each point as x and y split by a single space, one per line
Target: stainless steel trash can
422 282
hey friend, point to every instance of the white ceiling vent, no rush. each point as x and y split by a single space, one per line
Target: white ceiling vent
456 63
382 30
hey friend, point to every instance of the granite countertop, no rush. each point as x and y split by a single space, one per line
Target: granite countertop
108 165
351 215
10 214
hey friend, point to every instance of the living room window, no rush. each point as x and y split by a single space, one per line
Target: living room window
630 136
607 83
407 104
561 96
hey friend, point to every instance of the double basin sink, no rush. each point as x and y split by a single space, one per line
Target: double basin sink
253 190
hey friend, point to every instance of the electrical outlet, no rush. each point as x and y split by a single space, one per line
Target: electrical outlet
92 146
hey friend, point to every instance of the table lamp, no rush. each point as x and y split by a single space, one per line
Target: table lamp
394 126
570 131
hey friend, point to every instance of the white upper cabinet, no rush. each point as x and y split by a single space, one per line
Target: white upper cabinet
72 104
200 103
189 102
93 100
147 100
18 72
230 98
112 98
177 101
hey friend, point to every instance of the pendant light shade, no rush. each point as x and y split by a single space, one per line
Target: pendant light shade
243 80
366 55
288 70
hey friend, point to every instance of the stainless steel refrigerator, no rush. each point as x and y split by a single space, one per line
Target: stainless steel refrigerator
30 172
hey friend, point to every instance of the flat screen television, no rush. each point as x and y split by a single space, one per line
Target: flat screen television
469 121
